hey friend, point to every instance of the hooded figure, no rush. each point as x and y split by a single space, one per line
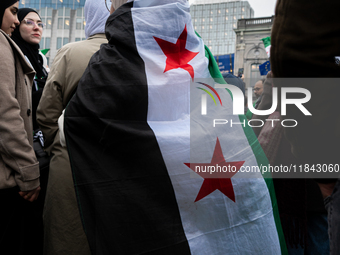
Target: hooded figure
63 228
130 141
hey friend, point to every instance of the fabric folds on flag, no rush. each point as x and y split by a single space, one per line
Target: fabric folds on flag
127 131
44 51
267 45
264 68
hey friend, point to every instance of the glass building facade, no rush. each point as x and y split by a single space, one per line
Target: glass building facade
64 21
215 21
54 4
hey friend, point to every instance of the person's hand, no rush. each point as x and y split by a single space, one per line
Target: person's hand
326 189
30 195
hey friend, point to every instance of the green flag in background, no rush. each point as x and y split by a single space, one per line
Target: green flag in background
267 45
44 51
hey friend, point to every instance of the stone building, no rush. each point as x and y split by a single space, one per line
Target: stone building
250 51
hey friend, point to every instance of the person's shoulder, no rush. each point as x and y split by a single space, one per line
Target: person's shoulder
82 47
4 40
6 49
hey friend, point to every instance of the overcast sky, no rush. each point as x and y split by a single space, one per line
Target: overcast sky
262 8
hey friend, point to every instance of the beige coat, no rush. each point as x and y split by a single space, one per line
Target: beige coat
18 163
63 229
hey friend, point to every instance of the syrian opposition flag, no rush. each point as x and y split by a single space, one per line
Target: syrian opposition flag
135 132
267 45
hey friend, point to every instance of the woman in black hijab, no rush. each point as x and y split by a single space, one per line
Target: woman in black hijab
4 4
19 169
27 36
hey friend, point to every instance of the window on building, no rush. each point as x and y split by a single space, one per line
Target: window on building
242 9
49 12
43 12
67 12
59 42
42 43
79 12
48 23
65 40
78 39
61 12
226 18
47 43
255 73
60 23
78 23
227 10
67 23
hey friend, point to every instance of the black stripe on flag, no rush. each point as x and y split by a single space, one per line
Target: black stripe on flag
125 195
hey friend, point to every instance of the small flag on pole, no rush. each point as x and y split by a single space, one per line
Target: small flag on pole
267 45
264 68
44 51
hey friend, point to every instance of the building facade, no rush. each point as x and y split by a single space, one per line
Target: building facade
214 21
250 51
64 21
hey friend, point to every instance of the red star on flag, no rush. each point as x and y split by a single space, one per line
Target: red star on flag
177 55
220 180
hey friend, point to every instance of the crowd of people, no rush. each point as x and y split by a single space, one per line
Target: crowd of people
45 201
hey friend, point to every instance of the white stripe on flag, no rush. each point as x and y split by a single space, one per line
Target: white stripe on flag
215 224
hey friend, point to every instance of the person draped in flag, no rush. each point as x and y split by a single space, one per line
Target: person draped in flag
135 135
63 230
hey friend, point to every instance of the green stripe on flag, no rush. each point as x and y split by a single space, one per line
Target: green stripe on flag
44 51
266 41
261 158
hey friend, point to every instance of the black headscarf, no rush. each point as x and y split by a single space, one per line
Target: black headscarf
31 51
4 4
